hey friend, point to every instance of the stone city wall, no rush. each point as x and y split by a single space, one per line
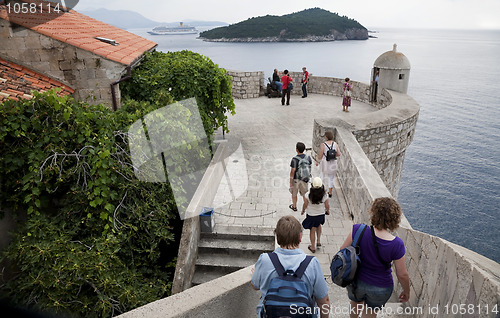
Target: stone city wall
335 87
246 84
227 296
385 146
89 74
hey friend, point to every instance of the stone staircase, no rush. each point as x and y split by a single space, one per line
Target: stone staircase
229 249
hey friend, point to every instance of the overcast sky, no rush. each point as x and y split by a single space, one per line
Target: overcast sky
442 14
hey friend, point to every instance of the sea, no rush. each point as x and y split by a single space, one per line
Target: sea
450 185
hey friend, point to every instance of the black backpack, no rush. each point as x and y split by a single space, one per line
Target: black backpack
288 295
331 153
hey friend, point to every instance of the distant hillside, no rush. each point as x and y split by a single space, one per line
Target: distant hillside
125 19
309 25
122 19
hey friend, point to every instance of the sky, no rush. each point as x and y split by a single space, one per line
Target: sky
428 14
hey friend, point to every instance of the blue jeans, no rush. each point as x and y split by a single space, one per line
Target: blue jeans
279 85
373 296
304 89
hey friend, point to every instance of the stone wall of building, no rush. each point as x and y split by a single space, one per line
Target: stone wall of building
89 74
247 84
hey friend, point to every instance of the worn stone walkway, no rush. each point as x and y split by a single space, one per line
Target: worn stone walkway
254 193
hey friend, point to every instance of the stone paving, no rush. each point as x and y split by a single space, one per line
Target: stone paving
254 192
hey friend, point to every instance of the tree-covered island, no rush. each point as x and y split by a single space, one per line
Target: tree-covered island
311 25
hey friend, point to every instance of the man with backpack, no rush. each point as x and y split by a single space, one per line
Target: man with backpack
300 173
292 283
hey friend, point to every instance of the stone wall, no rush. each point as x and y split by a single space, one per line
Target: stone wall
335 87
89 74
247 84
227 296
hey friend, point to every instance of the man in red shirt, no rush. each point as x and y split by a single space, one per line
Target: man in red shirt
287 87
305 80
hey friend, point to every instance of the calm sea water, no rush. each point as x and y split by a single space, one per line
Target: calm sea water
451 179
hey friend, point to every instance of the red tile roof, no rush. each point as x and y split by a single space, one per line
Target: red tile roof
80 30
17 82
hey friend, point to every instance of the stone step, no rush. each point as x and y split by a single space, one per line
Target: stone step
205 274
239 232
226 261
236 247
237 236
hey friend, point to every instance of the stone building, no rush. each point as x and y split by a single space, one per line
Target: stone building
87 55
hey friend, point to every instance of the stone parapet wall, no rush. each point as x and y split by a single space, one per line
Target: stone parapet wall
89 74
385 147
247 84
227 296
335 87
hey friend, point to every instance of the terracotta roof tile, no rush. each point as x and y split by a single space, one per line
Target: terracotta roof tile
81 31
17 82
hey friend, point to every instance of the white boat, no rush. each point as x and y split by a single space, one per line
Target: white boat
181 29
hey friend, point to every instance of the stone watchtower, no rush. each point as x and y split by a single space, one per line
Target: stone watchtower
393 70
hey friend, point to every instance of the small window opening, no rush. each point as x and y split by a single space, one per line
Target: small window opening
401 76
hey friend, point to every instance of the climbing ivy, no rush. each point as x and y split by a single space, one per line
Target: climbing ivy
183 75
89 236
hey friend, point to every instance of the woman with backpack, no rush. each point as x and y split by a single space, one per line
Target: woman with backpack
316 207
327 159
377 249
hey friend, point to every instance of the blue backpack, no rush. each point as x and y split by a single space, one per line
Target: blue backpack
288 295
346 262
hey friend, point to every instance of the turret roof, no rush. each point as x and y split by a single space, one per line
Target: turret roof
392 60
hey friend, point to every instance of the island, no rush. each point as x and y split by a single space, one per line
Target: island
311 25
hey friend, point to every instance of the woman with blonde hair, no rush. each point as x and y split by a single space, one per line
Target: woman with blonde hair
378 248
